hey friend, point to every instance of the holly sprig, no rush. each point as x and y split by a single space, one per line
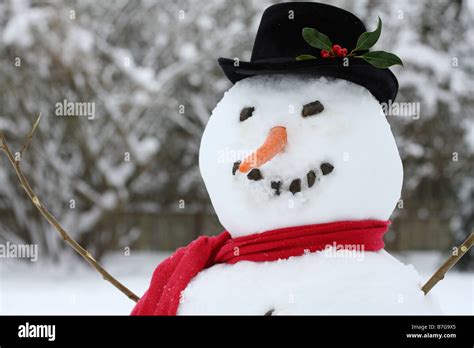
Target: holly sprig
366 40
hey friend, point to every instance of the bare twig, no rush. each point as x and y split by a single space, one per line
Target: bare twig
450 262
51 219
30 136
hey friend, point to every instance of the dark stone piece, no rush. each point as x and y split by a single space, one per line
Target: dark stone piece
246 113
255 174
270 312
276 185
311 109
311 177
295 186
235 167
326 168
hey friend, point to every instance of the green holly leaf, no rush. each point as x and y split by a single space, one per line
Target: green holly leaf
381 59
316 39
369 38
305 57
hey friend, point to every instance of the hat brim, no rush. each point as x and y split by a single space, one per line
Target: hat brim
382 83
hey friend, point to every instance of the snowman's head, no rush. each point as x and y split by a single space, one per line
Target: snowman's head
335 157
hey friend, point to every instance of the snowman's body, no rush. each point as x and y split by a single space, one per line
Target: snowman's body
352 135
317 283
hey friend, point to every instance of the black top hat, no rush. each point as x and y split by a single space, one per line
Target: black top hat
279 41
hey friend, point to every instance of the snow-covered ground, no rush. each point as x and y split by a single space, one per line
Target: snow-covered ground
74 288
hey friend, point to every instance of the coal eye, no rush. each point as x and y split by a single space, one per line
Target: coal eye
246 113
311 109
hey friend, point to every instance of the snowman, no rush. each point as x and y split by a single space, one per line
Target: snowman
303 172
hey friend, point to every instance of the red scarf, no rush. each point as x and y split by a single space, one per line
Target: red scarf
173 275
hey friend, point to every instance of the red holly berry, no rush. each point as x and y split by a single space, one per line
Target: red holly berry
325 54
336 48
342 52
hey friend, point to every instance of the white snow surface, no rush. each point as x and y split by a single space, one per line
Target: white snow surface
327 282
351 133
74 288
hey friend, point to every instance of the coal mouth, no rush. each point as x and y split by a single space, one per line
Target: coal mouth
295 185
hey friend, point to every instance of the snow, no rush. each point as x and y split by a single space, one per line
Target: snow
351 133
144 149
188 50
21 24
116 175
79 41
74 288
143 76
455 293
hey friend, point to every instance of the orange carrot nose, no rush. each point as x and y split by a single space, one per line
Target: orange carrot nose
275 142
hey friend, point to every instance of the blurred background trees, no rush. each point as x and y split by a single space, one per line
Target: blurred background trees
130 177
